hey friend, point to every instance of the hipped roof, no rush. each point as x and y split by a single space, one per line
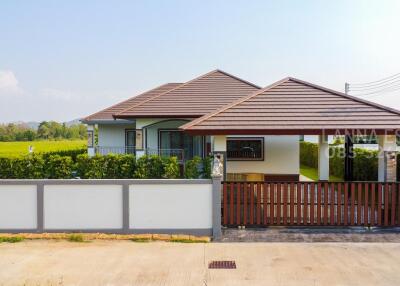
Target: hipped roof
293 106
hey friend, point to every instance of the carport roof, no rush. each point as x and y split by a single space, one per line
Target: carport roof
292 106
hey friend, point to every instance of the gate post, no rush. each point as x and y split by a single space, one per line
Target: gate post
216 206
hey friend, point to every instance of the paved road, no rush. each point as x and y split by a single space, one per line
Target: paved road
161 263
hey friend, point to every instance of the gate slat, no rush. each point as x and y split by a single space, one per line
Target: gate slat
238 205
285 199
245 202
298 201
352 208
291 203
386 221
398 204
225 197
272 206
319 204
258 203
265 204
393 208
359 199
346 205
326 191
231 196
312 202
339 205
379 209
372 216
305 204
278 204
332 211
366 204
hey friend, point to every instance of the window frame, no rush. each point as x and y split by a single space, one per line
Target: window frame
261 139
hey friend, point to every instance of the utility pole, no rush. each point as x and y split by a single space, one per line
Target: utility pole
348 147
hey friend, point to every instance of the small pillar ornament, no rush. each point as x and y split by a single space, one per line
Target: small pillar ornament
218 166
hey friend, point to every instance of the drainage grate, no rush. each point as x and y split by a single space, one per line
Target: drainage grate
222 264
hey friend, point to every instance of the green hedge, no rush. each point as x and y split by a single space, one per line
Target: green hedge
365 161
55 166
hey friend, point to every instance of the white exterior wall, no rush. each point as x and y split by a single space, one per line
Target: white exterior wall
281 156
18 208
170 206
82 206
113 135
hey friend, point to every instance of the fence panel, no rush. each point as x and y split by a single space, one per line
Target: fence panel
260 204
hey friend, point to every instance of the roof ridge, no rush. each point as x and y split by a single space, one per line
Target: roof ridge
238 78
230 105
354 98
123 101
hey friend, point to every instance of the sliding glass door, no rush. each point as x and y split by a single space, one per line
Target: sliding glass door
173 142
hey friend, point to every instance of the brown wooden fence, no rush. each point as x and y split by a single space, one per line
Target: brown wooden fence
258 204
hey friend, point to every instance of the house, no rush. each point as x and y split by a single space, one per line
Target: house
256 130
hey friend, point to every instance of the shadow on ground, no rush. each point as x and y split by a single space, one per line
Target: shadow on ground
299 234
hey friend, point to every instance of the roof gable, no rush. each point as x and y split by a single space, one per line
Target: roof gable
295 106
193 98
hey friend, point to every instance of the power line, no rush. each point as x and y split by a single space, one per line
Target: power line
384 90
388 84
377 82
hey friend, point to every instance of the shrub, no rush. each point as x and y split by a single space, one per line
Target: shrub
192 168
207 167
11 239
58 167
6 171
75 238
171 168
149 166
74 153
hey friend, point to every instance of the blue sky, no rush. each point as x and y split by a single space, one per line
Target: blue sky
62 60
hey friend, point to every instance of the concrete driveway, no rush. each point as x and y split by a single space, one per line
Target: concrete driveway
162 263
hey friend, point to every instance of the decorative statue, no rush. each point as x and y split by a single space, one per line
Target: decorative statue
218 166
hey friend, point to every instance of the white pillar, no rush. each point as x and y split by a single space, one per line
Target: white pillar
219 150
323 158
140 142
386 158
91 142
219 143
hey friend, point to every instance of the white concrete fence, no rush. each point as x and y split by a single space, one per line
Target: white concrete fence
112 206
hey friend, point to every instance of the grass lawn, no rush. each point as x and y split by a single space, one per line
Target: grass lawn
15 149
312 173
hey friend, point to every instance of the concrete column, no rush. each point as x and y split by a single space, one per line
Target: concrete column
387 164
219 148
219 143
140 150
216 209
91 141
323 158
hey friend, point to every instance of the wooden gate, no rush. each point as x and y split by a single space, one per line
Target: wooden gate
260 204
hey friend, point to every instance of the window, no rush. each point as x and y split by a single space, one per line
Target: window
171 141
245 149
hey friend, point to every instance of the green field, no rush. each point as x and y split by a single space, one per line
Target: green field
15 149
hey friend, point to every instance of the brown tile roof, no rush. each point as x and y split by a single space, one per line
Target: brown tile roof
106 114
292 106
194 98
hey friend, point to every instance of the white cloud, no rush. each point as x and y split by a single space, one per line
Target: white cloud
8 83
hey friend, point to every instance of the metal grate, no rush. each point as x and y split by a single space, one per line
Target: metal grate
222 264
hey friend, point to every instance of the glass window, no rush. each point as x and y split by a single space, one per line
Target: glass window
245 149
174 142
